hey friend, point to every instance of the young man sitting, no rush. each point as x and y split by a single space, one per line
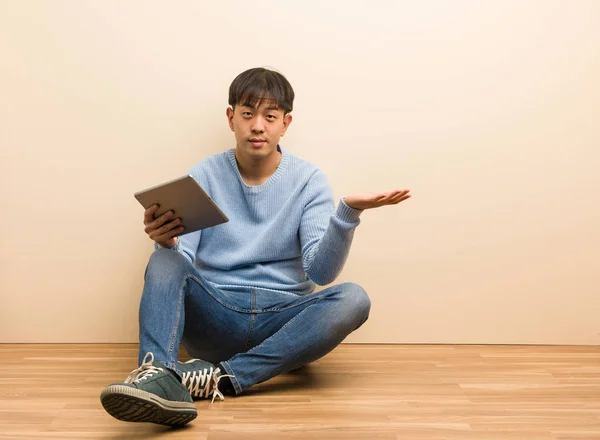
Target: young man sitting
240 295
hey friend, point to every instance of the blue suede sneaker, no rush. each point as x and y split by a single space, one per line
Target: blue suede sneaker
151 393
202 378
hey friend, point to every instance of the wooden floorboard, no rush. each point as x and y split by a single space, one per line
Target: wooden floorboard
413 392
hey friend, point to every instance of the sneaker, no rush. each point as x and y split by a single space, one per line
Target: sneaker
151 393
202 379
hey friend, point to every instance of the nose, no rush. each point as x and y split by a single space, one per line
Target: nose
258 125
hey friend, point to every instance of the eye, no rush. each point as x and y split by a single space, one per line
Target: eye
271 117
246 114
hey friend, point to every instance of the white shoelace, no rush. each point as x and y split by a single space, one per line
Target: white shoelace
204 383
144 371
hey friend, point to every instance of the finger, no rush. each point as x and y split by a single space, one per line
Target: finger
167 235
397 192
159 230
155 224
395 199
170 234
391 198
149 214
401 199
402 193
388 196
384 195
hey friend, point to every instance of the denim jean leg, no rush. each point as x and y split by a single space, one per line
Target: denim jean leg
161 314
217 322
314 325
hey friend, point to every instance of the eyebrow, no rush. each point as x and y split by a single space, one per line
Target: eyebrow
271 107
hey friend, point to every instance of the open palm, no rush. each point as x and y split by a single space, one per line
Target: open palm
375 200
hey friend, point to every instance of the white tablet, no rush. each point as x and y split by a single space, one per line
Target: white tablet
187 200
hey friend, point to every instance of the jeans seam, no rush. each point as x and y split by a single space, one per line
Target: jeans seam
252 319
208 290
316 300
234 381
281 309
177 319
237 309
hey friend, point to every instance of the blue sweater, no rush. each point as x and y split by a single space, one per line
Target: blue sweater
283 235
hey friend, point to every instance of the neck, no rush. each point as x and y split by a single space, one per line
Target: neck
257 170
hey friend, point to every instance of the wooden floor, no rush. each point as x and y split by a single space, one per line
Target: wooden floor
356 392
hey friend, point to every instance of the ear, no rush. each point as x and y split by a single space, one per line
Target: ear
229 114
287 120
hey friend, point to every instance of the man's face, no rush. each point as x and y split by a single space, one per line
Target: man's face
257 130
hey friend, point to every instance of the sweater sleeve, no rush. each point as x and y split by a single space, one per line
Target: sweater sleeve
325 234
187 245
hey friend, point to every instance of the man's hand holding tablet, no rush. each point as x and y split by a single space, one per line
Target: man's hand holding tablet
163 229
177 207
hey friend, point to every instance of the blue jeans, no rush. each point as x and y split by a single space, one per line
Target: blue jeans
254 333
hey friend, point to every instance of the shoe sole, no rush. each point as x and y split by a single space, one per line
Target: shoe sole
134 405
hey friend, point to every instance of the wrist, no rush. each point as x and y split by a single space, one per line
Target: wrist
348 203
347 213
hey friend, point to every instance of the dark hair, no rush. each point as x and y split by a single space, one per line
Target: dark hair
255 86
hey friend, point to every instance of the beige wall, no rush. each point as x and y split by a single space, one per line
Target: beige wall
488 111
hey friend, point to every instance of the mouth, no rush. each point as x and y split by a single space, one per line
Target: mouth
257 142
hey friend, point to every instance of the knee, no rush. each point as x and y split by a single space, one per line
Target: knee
356 301
164 263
